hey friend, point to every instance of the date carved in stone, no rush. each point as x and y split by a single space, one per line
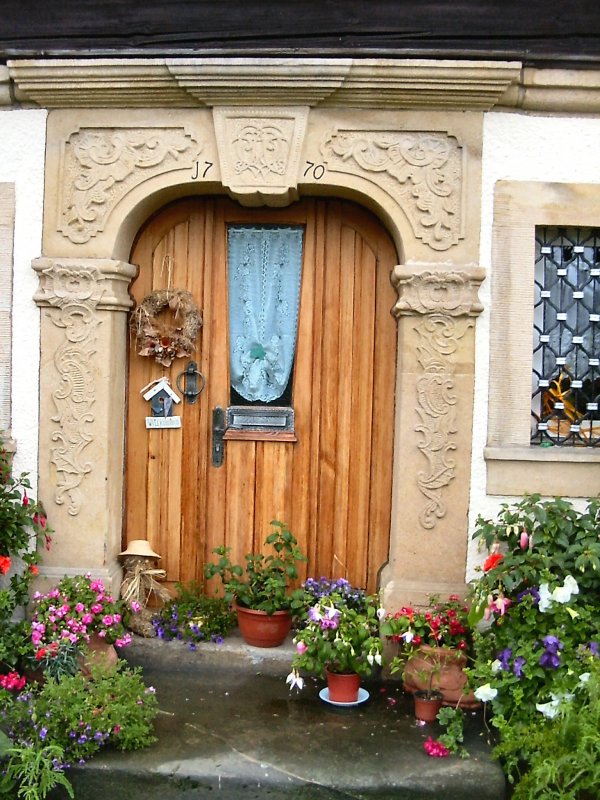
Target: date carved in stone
100 166
423 171
73 296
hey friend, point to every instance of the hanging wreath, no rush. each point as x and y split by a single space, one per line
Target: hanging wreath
164 340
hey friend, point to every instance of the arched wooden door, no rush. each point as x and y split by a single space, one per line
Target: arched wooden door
332 485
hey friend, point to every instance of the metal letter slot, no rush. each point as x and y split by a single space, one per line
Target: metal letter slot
193 382
218 431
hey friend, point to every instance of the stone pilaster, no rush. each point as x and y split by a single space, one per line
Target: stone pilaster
434 406
82 406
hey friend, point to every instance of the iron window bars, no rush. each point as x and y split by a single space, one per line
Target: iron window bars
566 339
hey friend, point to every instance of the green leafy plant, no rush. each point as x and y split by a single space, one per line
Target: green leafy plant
339 637
263 583
77 715
23 527
538 599
192 617
452 719
32 772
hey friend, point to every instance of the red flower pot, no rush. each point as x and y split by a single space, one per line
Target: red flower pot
260 629
447 664
427 705
343 687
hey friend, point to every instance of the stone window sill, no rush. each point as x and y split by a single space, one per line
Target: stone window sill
549 471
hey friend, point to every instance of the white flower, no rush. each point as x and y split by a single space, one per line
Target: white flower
545 598
584 678
370 659
496 665
295 680
380 613
549 709
378 659
562 594
485 693
408 636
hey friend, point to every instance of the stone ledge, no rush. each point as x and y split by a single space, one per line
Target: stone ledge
197 82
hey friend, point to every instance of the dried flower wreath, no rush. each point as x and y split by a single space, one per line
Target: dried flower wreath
165 341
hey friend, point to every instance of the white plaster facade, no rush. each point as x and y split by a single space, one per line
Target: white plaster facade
517 145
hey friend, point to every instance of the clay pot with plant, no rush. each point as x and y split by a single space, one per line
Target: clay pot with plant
260 591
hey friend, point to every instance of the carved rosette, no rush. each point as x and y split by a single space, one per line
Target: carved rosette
422 170
100 165
73 293
259 151
446 301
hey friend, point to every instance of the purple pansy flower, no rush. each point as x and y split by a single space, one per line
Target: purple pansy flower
518 665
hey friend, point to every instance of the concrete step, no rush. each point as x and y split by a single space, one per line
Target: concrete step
229 727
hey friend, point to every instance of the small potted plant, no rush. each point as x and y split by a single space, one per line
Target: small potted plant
260 590
433 646
78 616
340 639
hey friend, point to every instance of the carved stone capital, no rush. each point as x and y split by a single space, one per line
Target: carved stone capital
437 291
259 152
93 283
100 165
422 170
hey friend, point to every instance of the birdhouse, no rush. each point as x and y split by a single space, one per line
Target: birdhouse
162 398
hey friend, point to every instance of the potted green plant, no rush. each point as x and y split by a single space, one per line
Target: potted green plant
340 640
260 590
433 644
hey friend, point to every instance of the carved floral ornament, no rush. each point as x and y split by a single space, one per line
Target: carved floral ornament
444 303
423 171
73 296
100 165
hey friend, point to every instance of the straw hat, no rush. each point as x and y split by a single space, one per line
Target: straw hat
139 547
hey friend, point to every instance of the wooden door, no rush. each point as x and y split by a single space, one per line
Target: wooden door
332 485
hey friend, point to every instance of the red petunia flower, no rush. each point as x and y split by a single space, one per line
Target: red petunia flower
492 561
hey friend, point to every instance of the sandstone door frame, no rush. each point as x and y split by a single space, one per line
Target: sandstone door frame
108 170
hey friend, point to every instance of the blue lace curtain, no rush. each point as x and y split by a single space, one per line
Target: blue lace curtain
264 266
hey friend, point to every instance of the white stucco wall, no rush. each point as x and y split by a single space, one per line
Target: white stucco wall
22 148
521 148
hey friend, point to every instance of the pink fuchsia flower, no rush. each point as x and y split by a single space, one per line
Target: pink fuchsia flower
524 540
435 748
301 647
25 499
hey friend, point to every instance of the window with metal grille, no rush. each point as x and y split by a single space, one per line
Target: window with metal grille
566 340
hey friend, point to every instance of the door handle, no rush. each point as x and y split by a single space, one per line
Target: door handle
193 382
218 431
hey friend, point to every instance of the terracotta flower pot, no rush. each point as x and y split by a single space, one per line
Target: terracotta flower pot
427 705
447 664
343 686
260 629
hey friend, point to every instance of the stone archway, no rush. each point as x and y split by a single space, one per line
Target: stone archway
106 173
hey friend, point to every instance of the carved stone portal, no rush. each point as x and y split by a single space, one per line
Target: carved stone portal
422 171
259 152
447 301
74 292
100 165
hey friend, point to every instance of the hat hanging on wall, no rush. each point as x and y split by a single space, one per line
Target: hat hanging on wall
139 547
